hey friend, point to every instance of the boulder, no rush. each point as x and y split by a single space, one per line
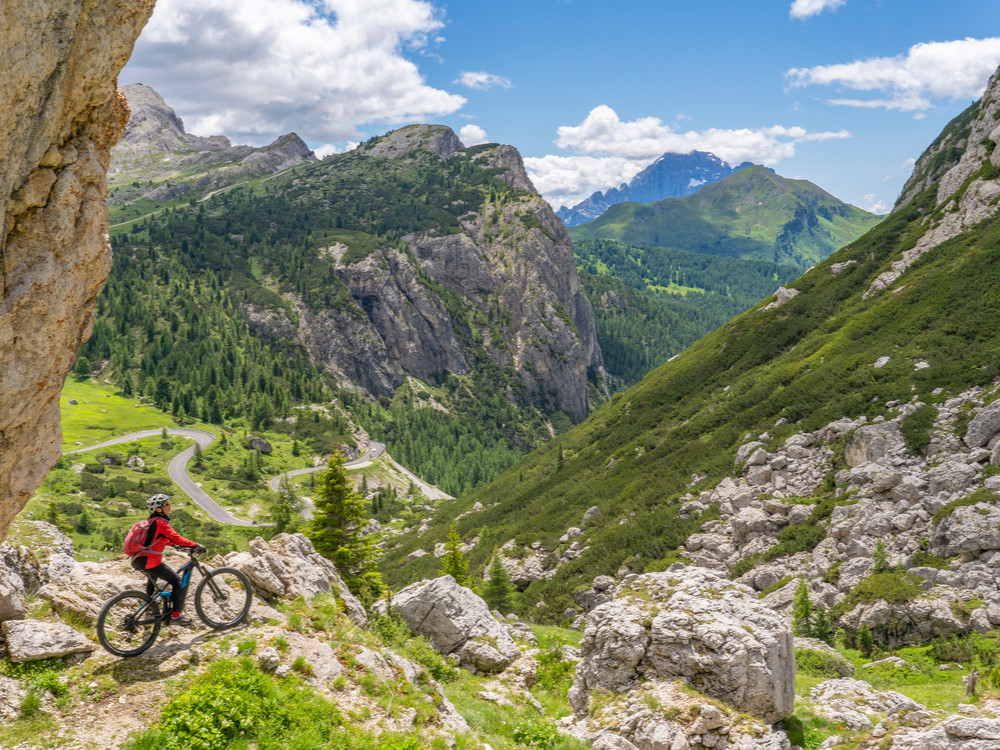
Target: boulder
11 592
954 733
29 640
951 476
455 621
850 702
288 566
666 716
259 444
88 585
693 624
972 528
872 442
906 623
983 426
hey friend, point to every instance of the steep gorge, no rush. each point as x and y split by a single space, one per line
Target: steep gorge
60 115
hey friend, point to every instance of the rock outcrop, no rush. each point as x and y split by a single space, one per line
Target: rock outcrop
692 624
60 117
30 640
288 567
455 621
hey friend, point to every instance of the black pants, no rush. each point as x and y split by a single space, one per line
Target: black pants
164 572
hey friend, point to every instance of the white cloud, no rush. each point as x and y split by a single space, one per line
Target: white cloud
482 81
612 151
874 205
255 69
333 148
567 180
603 133
807 8
954 70
472 135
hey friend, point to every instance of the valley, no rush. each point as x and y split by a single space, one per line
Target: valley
718 469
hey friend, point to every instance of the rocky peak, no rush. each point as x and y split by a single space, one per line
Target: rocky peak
509 159
964 165
154 125
670 176
440 140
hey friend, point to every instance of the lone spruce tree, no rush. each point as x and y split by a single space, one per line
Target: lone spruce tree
336 531
498 591
802 611
454 563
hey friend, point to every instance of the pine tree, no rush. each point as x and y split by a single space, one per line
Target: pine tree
880 557
802 611
81 369
498 591
866 643
821 626
285 510
336 530
454 563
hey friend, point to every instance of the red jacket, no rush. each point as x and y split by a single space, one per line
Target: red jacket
159 535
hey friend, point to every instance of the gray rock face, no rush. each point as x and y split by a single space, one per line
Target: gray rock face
515 258
30 640
61 58
972 528
694 624
909 623
455 621
288 566
850 702
954 733
983 426
872 442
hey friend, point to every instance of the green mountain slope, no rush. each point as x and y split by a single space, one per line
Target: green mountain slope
776 369
423 284
651 303
753 214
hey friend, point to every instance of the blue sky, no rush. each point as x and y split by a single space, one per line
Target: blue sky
845 93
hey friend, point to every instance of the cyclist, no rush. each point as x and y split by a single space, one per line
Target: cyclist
159 534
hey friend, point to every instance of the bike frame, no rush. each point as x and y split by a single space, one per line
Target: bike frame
184 573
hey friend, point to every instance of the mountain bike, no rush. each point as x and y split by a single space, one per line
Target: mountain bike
130 621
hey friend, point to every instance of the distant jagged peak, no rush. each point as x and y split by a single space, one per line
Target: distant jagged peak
672 175
440 140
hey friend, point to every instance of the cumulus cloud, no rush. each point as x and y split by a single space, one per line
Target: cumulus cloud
255 69
567 180
908 82
472 135
327 149
602 132
874 205
612 151
807 8
482 81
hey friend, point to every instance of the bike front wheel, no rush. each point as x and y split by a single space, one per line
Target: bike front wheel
128 623
223 598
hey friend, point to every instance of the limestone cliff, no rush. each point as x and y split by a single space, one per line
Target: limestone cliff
497 291
60 115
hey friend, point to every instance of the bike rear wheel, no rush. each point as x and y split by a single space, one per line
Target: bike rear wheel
128 623
223 598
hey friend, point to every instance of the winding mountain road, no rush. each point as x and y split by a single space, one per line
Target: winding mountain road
177 469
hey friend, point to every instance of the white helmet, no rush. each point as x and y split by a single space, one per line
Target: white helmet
156 501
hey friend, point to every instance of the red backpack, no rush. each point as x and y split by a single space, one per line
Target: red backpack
133 539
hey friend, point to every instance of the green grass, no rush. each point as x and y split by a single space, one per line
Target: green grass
103 413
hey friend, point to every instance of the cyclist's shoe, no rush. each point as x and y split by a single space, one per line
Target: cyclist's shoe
181 621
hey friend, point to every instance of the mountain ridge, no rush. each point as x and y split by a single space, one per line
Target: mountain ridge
753 213
670 175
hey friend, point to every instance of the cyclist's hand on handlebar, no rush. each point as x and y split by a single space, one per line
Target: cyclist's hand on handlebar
199 549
